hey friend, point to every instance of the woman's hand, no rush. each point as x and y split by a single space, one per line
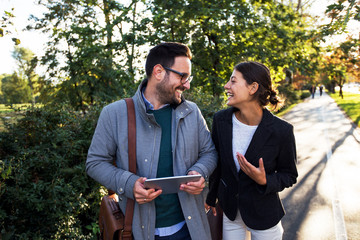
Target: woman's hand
213 209
256 174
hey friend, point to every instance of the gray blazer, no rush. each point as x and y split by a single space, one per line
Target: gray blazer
192 146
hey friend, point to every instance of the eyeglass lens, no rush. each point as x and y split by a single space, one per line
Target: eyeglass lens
184 76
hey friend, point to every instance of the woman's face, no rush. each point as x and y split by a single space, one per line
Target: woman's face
237 90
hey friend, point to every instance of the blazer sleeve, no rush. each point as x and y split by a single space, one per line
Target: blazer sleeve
286 172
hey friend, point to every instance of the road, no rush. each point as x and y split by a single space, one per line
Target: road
325 202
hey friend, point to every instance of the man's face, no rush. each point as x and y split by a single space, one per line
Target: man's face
170 89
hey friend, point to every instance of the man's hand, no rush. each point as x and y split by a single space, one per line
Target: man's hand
143 195
193 187
256 174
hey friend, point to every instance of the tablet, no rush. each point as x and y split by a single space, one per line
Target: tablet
170 184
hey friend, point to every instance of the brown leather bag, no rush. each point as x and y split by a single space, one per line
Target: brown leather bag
216 222
112 222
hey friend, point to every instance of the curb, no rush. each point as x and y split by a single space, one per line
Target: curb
357 134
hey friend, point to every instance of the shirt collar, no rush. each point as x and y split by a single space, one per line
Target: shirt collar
148 104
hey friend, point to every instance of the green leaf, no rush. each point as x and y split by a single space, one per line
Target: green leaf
16 41
9 13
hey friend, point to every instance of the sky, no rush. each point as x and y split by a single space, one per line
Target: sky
36 41
32 40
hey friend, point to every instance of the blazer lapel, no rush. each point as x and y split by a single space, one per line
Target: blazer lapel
261 136
226 135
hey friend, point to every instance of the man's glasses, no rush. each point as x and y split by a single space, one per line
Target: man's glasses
184 76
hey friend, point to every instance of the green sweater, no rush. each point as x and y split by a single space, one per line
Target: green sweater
168 209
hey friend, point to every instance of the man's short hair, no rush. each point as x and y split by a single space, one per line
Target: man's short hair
165 54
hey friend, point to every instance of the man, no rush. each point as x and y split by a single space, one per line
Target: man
172 139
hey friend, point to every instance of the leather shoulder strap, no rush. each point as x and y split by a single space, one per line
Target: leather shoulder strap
132 164
131 134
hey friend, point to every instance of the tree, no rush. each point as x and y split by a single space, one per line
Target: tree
350 50
27 63
1 94
223 33
103 41
336 69
99 55
340 13
15 89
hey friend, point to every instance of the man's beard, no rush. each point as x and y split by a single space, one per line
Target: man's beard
165 93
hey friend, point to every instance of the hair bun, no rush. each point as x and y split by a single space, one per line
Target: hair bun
274 100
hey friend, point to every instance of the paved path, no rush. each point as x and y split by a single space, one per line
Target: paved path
325 203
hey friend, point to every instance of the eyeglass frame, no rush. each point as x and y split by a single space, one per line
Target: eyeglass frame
182 75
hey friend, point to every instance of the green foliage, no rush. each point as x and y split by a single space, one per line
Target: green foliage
1 77
223 33
15 90
340 13
16 41
291 96
44 190
100 55
7 26
27 63
304 94
288 94
208 103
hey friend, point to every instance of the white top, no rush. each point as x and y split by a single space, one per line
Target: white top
241 138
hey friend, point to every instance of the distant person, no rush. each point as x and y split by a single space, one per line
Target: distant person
257 157
312 91
171 138
321 90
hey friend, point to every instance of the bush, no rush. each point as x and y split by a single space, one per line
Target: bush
289 94
45 192
304 94
208 104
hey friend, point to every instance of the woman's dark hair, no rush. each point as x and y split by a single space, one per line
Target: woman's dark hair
258 72
165 54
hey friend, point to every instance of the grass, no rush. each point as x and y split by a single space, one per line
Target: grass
350 104
302 94
9 115
286 109
5 108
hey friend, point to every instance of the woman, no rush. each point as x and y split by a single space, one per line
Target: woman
257 157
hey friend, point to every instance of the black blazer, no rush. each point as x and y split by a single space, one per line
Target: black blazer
274 141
